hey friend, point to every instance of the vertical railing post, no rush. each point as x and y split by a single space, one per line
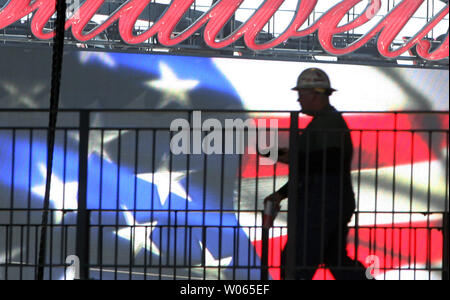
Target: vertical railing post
291 262
265 254
445 260
82 238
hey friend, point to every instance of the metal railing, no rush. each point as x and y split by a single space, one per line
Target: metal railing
130 209
306 50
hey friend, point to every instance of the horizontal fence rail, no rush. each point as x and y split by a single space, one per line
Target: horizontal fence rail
125 206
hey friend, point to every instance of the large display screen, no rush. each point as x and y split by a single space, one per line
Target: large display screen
203 210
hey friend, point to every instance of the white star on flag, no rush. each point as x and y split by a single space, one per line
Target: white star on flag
139 234
26 97
3 259
105 58
210 261
63 196
172 87
95 139
166 181
12 255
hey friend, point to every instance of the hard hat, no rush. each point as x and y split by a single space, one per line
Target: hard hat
314 78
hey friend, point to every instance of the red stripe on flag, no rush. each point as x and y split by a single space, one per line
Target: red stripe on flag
402 244
374 141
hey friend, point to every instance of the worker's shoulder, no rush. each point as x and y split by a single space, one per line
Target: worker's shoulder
329 119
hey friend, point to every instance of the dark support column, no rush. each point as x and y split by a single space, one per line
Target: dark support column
82 242
292 198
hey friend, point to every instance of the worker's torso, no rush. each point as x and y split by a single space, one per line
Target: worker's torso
326 150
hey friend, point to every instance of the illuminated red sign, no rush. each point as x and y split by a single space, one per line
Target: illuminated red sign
327 26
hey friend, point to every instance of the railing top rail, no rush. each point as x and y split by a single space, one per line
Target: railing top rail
134 128
148 110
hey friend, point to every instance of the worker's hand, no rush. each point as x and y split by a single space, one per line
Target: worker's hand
275 198
282 152
266 150
283 155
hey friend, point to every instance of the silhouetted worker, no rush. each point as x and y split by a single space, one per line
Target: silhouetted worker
326 199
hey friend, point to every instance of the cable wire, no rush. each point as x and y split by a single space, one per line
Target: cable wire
57 59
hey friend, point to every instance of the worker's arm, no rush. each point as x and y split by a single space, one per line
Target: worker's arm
332 158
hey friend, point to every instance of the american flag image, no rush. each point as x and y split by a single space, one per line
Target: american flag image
155 215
